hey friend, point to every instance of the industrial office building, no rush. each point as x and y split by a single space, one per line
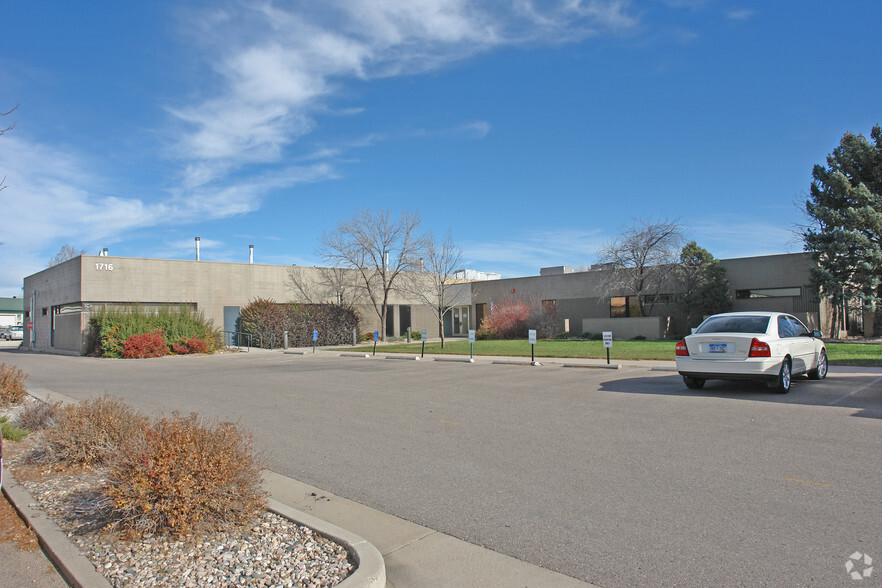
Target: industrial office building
59 300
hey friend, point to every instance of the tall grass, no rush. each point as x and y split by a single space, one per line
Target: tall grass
110 328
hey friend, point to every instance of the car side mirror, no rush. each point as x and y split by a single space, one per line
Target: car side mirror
817 334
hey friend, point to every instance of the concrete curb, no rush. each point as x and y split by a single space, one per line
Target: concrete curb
594 366
404 357
455 359
371 569
515 362
74 567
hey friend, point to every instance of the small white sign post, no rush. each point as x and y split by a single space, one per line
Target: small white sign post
471 343
532 335
607 343
424 334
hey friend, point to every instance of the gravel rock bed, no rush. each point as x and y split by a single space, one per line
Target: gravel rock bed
270 551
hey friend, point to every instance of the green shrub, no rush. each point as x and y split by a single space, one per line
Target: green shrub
12 389
86 431
110 329
10 431
181 475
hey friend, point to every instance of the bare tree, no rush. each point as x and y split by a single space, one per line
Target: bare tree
640 260
324 284
432 283
378 248
65 253
3 132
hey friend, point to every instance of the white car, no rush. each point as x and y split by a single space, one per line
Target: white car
770 346
12 333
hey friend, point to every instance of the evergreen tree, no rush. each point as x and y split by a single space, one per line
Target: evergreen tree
845 206
705 286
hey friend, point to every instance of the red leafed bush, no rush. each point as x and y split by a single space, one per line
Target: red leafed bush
191 345
507 320
146 345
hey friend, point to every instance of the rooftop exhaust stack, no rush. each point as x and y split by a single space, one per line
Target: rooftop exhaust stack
103 252
197 248
251 254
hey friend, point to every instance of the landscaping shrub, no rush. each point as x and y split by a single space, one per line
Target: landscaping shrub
507 320
192 345
145 345
10 431
37 415
86 431
179 475
110 329
267 321
12 389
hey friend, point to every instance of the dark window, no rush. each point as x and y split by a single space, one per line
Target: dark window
624 306
618 307
799 329
768 293
785 327
734 324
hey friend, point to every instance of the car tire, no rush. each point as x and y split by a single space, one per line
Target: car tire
781 384
820 372
693 383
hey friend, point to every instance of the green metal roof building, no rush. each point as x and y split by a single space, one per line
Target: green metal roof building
11 311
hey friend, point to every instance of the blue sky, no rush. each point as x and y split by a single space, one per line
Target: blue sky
534 129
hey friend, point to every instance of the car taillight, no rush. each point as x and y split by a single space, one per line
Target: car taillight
680 348
759 349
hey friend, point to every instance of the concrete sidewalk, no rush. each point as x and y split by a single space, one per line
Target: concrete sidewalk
415 555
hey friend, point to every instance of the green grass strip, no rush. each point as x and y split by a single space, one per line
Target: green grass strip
853 354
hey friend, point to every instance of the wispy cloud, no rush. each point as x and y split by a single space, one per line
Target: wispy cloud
740 14
278 68
525 254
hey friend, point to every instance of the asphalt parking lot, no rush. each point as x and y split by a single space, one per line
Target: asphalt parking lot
619 478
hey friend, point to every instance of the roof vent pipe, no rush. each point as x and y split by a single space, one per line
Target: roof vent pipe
197 248
104 252
251 254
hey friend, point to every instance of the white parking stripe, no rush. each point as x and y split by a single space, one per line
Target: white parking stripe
853 392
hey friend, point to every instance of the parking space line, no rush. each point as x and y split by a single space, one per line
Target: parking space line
853 392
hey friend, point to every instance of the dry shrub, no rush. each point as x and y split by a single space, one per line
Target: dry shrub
85 432
181 475
38 415
12 390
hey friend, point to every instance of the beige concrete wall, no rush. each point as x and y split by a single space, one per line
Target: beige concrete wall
210 286
53 286
627 328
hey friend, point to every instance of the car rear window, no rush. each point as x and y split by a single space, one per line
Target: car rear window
735 324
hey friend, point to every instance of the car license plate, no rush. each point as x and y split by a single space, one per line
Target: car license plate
717 348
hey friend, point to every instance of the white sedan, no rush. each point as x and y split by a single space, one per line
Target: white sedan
770 346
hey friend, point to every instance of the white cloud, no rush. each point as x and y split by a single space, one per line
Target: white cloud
528 252
278 67
740 14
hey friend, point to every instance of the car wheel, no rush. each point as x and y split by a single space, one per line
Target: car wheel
693 383
781 384
820 372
